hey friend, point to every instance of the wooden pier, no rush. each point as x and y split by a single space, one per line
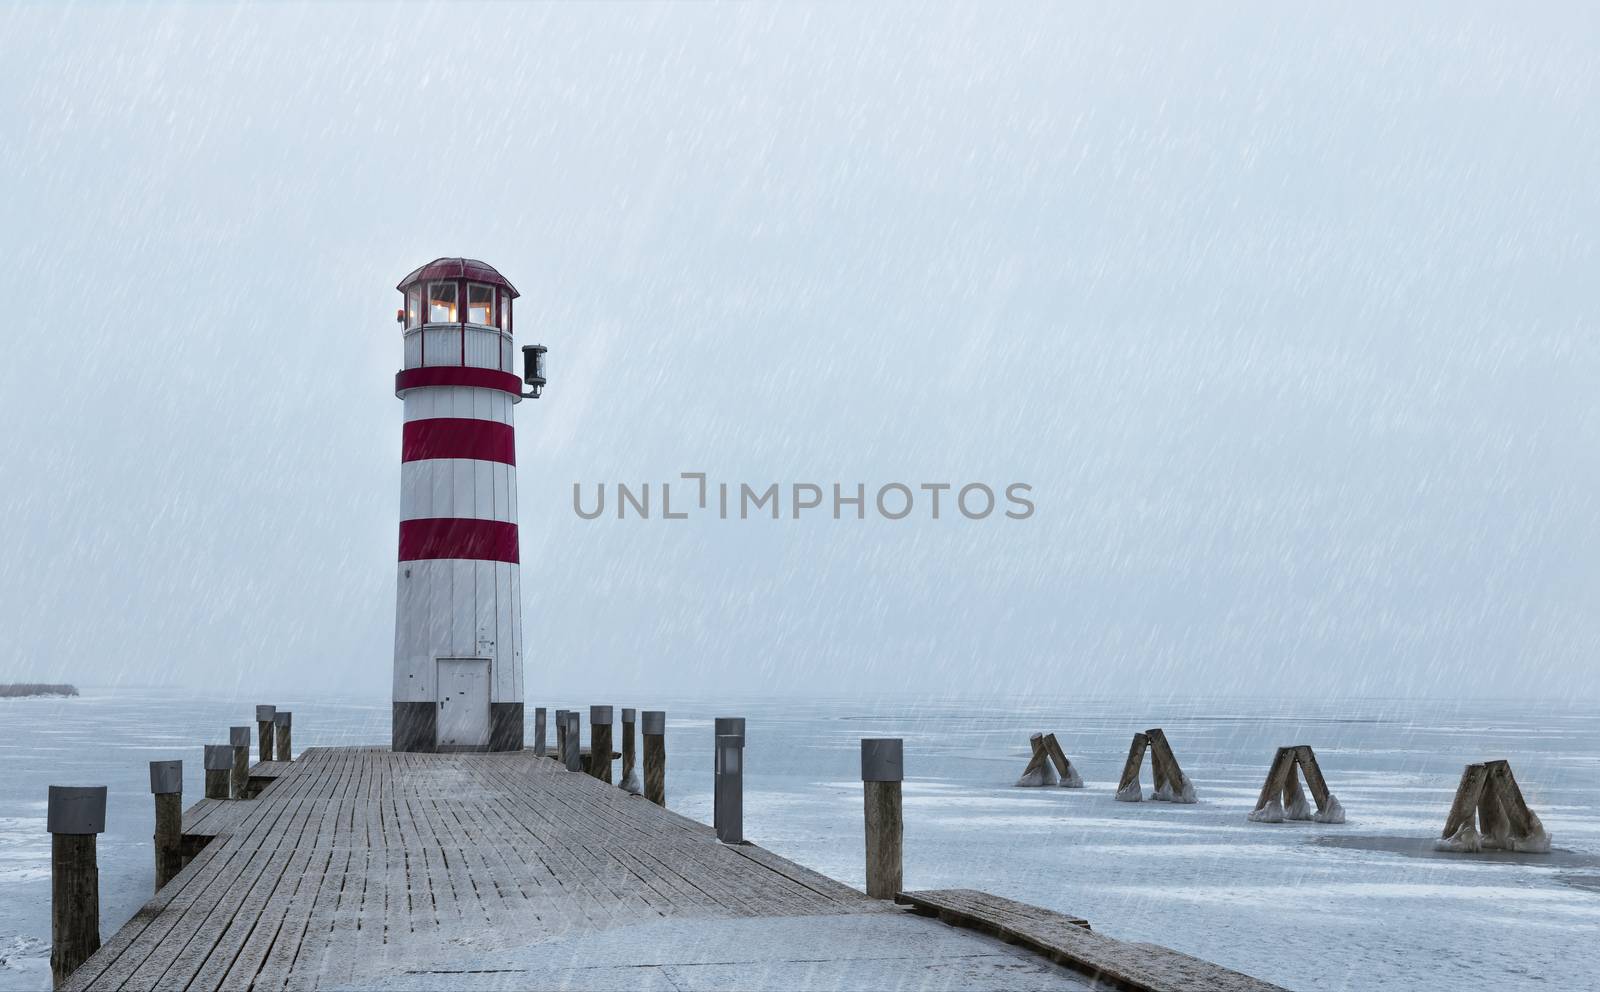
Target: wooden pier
364 868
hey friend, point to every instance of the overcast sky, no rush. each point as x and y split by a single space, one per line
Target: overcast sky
1288 317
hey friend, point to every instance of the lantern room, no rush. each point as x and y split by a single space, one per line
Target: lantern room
457 311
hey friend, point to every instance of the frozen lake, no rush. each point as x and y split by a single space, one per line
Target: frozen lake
1270 900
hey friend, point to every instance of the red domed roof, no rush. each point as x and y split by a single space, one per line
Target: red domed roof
459 268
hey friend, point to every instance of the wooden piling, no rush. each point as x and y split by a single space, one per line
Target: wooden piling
74 816
219 766
1277 775
600 743
1128 790
630 774
1070 779
166 784
282 721
1494 825
539 729
882 771
1171 784
1282 797
1465 807
1519 818
1489 812
561 735
654 731
239 739
1295 806
264 727
1038 771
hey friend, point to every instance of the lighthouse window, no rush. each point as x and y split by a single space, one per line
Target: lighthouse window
480 304
413 307
505 313
442 303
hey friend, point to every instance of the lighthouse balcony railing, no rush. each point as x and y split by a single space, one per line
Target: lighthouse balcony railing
484 346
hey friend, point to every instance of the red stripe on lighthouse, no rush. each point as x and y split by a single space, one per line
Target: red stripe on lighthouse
455 437
452 537
457 375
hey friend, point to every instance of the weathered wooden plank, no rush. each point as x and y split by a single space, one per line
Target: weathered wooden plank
1068 941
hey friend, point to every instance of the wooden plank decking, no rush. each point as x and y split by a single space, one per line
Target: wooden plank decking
356 861
1069 941
362 868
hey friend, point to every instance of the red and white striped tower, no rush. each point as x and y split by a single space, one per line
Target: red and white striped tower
458 616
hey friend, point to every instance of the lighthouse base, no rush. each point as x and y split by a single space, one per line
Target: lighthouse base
505 726
416 727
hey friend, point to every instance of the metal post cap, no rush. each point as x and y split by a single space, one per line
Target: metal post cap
734 725
654 722
166 777
265 714
282 718
76 809
882 759
600 715
239 736
219 757
629 715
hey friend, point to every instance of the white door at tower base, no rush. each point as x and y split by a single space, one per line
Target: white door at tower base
463 702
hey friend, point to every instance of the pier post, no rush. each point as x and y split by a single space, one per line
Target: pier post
726 726
219 763
728 799
538 731
1038 771
654 729
600 743
569 742
1313 773
166 784
561 736
1070 779
1128 789
882 771
630 774
239 739
265 715
74 816
282 720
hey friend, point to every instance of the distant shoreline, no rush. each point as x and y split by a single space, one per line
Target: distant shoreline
17 690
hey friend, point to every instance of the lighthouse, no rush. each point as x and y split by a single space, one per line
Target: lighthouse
458 612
